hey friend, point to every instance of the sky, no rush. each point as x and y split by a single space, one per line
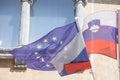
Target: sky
45 16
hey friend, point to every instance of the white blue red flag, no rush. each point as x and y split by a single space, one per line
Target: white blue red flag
100 33
62 49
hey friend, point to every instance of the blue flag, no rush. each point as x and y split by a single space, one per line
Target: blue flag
49 51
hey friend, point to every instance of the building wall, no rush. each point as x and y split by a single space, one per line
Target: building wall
104 68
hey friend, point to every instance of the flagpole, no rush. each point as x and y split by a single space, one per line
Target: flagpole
91 71
79 17
118 24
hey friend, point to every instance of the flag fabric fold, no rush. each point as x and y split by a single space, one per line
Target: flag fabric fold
73 57
62 46
100 33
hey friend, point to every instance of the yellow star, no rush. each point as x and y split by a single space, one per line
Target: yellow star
37 57
61 42
42 59
54 38
35 53
39 46
45 40
65 48
47 65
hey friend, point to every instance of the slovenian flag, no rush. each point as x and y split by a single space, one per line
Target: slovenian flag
62 49
100 33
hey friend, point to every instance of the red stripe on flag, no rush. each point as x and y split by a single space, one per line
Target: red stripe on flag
76 67
102 47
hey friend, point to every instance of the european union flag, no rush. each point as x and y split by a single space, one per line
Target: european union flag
44 53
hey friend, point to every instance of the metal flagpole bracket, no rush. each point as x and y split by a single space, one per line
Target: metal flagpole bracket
84 2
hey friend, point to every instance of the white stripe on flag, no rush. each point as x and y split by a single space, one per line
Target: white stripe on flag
69 53
103 19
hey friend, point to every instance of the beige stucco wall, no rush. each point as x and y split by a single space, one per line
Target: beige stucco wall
104 68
